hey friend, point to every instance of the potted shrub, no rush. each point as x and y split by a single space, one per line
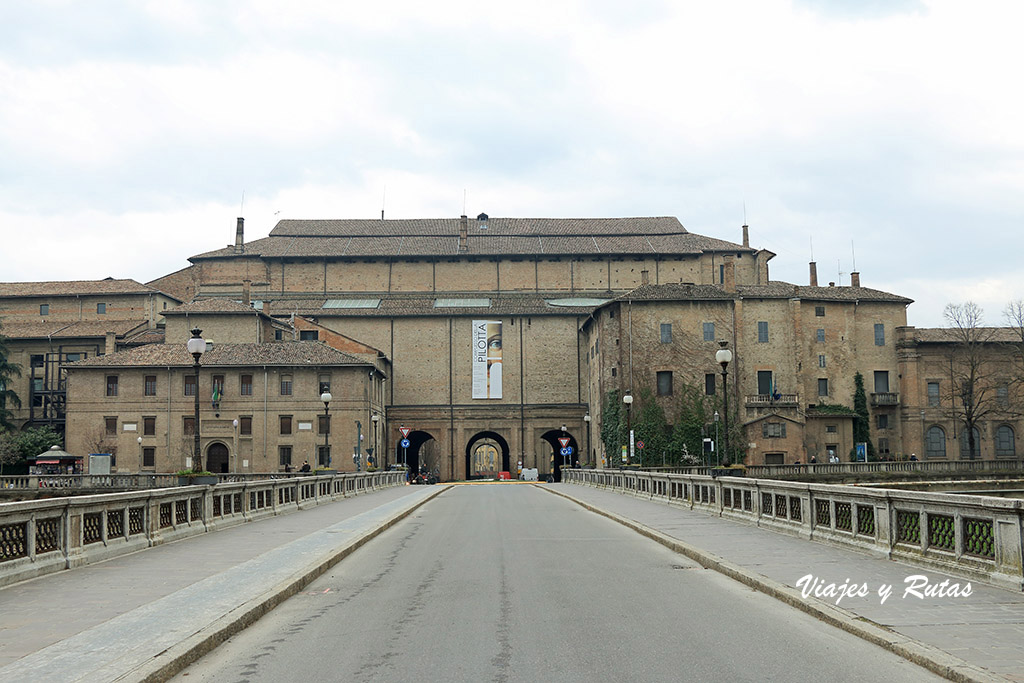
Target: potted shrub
190 477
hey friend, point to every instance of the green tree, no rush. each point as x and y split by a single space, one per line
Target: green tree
861 423
36 440
10 451
613 427
696 410
8 371
652 429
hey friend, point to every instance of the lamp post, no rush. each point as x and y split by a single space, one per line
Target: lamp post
358 455
375 419
139 441
586 435
234 447
628 400
724 357
326 399
197 347
718 453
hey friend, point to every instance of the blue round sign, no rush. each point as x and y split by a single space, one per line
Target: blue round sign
405 443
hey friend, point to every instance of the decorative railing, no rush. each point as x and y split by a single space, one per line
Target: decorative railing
885 399
977 537
39 537
866 468
769 400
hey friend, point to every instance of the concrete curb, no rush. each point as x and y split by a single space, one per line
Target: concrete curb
171 661
932 658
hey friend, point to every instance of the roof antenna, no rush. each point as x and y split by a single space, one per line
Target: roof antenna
839 268
463 201
383 199
241 208
811 238
854 253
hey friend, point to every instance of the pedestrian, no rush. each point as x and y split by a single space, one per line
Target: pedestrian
287 467
814 460
305 466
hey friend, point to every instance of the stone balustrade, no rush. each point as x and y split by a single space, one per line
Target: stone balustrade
976 537
38 537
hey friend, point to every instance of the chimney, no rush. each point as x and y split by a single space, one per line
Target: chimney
247 292
111 343
645 277
746 236
240 236
463 233
855 279
729 281
814 274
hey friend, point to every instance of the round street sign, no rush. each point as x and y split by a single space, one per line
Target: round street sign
404 443
639 444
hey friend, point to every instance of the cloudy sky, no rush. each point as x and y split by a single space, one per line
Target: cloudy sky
878 135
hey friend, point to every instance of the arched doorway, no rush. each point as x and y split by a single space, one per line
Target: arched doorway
217 458
486 455
558 459
421 455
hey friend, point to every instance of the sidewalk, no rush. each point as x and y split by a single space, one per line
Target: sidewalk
979 637
137 615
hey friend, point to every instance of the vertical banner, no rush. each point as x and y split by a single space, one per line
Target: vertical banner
486 359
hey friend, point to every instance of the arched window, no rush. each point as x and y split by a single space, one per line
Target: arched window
1005 443
965 451
935 443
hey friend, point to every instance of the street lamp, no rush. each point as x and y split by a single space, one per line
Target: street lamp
197 347
139 441
724 357
375 419
586 434
718 453
326 399
628 400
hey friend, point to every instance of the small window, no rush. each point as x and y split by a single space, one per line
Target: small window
709 332
37 360
149 457
324 424
773 430
323 456
309 335
190 385
820 311
965 446
110 425
821 360
1003 396
933 393
882 421
245 425
1005 442
831 429
879 334
44 309
762 332
935 443
614 372
149 426
188 425
73 357
666 333
665 383
821 334
245 386
286 385
721 274
822 386
150 385
709 384
101 309
111 385
278 335
325 383
881 381
286 424
284 455
883 446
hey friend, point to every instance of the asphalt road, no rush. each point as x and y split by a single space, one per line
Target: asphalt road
509 583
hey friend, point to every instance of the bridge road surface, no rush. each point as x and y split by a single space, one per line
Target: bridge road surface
511 583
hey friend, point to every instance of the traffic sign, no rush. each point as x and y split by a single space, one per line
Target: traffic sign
566 451
640 444
564 440
405 431
405 443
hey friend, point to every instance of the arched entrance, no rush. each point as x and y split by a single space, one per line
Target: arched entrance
217 458
421 455
486 456
558 459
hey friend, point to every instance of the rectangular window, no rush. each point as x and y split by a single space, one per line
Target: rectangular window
149 426
101 309
879 334
820 334
44 309
822 386
323 456
278 335
72 357
831 429
309 335
37 360
762 332
1003 396
188 426
110 425
286 424
709 384
284 455
764 382
324 382
883 446
821 360
933 393
324 424
721 274
614 372
665 383
666 333
245 386
709 332
819 311
773 430
881 381
190 385
286 385
150 385
245 425
882 421
111 385
149 457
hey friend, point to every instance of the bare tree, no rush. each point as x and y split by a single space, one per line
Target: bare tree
1014 314
973 373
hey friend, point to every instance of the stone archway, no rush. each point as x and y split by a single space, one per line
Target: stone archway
217 457
487 454
420 456
556 459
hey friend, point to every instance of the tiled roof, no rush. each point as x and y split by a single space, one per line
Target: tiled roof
212 306
74 287
501 236
228 355
82 328
944 335
405 306
773 290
